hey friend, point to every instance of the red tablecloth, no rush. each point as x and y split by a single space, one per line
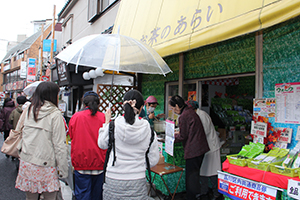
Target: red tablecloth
269 178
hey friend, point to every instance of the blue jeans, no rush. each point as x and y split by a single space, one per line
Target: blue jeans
88 187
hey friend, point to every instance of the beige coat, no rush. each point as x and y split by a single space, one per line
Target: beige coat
43 142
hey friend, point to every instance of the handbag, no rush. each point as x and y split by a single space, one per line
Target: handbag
11 143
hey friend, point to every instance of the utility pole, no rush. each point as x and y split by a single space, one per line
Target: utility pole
52 41
41 53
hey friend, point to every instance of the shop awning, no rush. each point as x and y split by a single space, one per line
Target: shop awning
173 26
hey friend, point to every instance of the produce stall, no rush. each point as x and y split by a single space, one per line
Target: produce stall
273 159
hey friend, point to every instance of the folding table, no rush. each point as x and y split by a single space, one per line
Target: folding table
164 169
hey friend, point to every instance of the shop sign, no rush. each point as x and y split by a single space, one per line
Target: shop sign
259 128
31 71
23 69
45 78
293 189
47 45
237 188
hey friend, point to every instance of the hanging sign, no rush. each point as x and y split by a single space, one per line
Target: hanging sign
237 188
287 102
31 70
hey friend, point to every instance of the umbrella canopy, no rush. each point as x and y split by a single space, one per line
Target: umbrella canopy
30 89
114 52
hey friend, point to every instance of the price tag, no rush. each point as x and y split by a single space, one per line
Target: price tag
293 189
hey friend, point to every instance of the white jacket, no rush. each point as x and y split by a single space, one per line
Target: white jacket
43 142
209 128
131 144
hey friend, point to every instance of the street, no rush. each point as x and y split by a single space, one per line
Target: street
8 174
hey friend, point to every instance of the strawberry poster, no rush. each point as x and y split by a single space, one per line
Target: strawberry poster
287 102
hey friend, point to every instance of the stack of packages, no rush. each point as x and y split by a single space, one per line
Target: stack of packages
247 153
289 166
265 160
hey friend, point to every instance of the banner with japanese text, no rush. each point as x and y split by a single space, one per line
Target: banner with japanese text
237 188
174 26
31 70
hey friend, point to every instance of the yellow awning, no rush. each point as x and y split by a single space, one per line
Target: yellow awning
173 26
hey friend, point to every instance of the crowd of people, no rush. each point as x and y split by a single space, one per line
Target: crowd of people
109 159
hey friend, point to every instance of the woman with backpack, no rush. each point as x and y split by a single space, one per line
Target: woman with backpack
125 173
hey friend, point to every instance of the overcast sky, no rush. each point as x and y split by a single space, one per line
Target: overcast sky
16 15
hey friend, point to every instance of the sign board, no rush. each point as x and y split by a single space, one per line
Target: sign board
259 128
287 102
31 70
293 189
23 69
264 107
169 139
47 45
237 188
286 135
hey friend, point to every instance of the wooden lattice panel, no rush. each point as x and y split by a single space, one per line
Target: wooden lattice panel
115 99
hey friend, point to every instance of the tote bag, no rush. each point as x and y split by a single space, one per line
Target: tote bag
11 143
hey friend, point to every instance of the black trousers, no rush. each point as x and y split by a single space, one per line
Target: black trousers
192 177
6 134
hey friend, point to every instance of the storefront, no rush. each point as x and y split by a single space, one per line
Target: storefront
207 46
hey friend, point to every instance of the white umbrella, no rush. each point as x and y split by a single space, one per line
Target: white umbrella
30 89
114 52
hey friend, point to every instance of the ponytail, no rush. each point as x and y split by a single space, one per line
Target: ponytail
132 102
129 114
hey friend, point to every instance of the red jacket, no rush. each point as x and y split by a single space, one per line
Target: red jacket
84 131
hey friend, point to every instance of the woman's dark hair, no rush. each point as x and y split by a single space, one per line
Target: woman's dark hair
45 91
129 112
92 102
6 100
177 100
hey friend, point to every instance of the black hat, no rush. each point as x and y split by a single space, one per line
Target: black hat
21 99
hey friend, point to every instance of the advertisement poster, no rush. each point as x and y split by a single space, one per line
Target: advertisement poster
285 135
237 188
31 70
169 139
259 128
287 102
264 107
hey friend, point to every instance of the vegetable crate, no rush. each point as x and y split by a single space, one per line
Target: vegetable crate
284 170
237 161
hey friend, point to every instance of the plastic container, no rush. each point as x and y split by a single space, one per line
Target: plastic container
237 161
277 169
262 166
159 126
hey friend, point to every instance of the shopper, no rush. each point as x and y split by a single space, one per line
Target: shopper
125 175
5 126
16 113
191 134
43 156
212 159
148 110
87 158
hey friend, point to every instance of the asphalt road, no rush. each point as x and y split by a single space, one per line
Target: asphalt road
8 175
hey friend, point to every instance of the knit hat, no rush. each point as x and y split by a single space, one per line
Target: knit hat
151 99
21 99
192 104
90 93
